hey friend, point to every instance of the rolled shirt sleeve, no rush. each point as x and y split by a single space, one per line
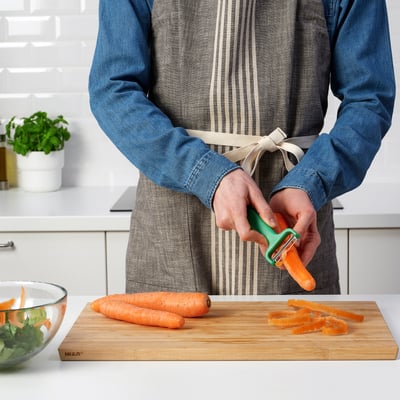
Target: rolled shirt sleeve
119 81
362 77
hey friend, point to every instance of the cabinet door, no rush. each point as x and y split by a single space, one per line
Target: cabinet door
374 261
116 254
75 260
342 258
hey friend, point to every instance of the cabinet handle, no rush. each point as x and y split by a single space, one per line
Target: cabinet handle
9 245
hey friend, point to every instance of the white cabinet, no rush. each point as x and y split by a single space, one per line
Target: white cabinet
374 261
93 263
75 260
116 244
341 237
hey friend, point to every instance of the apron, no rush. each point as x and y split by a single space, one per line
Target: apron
243 67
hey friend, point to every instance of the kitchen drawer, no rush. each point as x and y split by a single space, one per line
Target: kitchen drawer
374 261
75 260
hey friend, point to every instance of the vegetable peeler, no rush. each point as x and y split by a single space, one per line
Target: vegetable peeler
278 243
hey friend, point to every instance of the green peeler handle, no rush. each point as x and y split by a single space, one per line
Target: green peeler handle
275 240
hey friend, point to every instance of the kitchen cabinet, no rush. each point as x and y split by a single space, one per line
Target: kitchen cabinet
75 260
374 261
116 243
341 237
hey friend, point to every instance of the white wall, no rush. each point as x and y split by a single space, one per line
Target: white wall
46 47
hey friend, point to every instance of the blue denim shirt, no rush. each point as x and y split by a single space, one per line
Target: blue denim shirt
362 78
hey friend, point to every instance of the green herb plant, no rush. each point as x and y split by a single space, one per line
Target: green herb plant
38 132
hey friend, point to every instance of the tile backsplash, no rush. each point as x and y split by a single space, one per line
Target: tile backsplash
46 48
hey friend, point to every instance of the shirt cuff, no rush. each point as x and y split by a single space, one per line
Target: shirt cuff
307 180
207 174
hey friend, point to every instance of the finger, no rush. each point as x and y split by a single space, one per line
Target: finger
264 210
243 228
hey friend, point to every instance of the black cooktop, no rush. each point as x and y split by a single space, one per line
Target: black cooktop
127 200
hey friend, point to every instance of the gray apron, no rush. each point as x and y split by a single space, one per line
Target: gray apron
243 67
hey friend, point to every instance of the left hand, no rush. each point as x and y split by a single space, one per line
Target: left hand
296 207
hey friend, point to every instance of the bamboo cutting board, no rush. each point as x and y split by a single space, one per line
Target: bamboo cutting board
230 331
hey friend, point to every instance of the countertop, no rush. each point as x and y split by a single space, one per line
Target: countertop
46 377
88 208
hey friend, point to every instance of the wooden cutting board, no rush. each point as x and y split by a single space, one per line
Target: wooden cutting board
230 331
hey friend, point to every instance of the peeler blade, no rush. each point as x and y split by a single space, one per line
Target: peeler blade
278 243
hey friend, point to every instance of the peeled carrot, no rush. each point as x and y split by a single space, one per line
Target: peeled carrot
123 311
292 261
186 304
6 305
13 318
22 298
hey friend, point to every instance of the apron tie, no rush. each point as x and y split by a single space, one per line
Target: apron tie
250 148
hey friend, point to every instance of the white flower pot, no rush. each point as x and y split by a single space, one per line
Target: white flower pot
40 172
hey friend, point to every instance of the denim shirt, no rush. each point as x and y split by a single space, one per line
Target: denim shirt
362 78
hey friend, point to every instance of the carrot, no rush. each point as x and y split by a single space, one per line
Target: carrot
46 323
186 304
292 261
337 312
123 311
22 298
6 305
13 318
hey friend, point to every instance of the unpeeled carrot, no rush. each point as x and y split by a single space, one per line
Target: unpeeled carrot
292 261
123 311
186 304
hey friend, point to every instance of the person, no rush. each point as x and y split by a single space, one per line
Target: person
220 105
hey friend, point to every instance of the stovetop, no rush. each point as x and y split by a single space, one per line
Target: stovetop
127 200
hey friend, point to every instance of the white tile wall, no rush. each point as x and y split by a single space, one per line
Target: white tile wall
46 47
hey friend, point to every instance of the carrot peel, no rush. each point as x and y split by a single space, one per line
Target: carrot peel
313 317
337 312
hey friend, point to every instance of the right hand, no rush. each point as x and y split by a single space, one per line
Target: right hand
235 192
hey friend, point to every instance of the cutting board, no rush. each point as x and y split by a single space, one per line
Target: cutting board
230 331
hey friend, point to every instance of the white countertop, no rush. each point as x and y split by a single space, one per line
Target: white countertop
68 209
88 209
46 377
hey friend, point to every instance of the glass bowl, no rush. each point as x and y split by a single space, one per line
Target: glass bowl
30 315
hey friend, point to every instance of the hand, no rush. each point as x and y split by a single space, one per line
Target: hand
235 192
296 207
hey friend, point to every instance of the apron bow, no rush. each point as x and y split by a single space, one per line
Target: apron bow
250 148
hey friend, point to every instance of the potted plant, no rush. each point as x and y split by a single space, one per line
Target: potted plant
38 142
